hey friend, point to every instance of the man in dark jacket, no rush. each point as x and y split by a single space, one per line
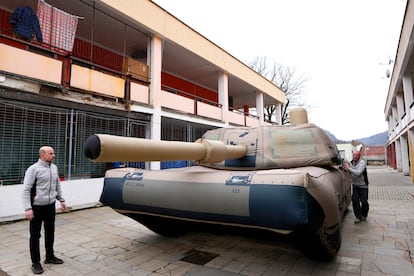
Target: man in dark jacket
26 24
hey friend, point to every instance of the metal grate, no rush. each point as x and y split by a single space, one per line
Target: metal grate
176 130
198 257
24 129
88 124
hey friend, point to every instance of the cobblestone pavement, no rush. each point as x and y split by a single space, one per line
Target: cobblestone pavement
99 241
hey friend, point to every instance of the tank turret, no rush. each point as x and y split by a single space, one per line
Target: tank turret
237 148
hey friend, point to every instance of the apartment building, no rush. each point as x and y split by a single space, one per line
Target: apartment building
399 106
120 67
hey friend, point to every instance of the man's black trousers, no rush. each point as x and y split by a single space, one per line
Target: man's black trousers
45 214
360 201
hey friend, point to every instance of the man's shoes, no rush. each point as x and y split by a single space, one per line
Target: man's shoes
37 268
358 220
53 260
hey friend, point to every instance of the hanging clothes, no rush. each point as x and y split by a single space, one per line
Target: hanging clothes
26 24
58 27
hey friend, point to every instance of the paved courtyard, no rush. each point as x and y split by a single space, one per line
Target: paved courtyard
99 241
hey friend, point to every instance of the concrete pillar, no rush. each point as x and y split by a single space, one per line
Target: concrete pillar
155 91
389 121
155 135
408 94
260 107
155 72
395 119
404 155
398 155
223 91
400 106
411 152
278 113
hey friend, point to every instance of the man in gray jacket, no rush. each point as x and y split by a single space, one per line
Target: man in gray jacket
41 189
359 187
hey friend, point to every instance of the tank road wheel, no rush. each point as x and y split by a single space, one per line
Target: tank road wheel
322 244
162 226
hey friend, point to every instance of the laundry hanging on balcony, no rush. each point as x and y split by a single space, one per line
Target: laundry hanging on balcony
58 27
25 24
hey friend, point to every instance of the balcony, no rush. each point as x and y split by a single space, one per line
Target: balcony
103 67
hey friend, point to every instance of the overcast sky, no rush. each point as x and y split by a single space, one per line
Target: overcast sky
342 46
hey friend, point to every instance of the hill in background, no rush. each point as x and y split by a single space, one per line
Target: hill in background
379 139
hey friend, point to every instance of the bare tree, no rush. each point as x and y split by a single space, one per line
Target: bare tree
287 80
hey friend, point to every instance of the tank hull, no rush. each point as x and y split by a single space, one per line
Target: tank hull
306 200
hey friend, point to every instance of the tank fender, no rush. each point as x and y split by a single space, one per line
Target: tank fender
321 185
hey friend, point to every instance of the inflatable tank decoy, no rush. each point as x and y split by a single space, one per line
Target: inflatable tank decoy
285 179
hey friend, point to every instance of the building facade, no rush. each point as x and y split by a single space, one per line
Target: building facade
123 67
345 150
399 106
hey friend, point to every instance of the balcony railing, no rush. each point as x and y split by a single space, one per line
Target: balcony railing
188 103
54 68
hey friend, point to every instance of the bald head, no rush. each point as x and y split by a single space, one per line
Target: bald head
356 155
47 154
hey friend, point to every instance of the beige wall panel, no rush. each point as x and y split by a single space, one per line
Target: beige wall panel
252 122
235 118
176 102
25 63
91 80
139 92
208 110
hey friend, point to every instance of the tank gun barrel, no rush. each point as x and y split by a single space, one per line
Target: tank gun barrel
111 148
